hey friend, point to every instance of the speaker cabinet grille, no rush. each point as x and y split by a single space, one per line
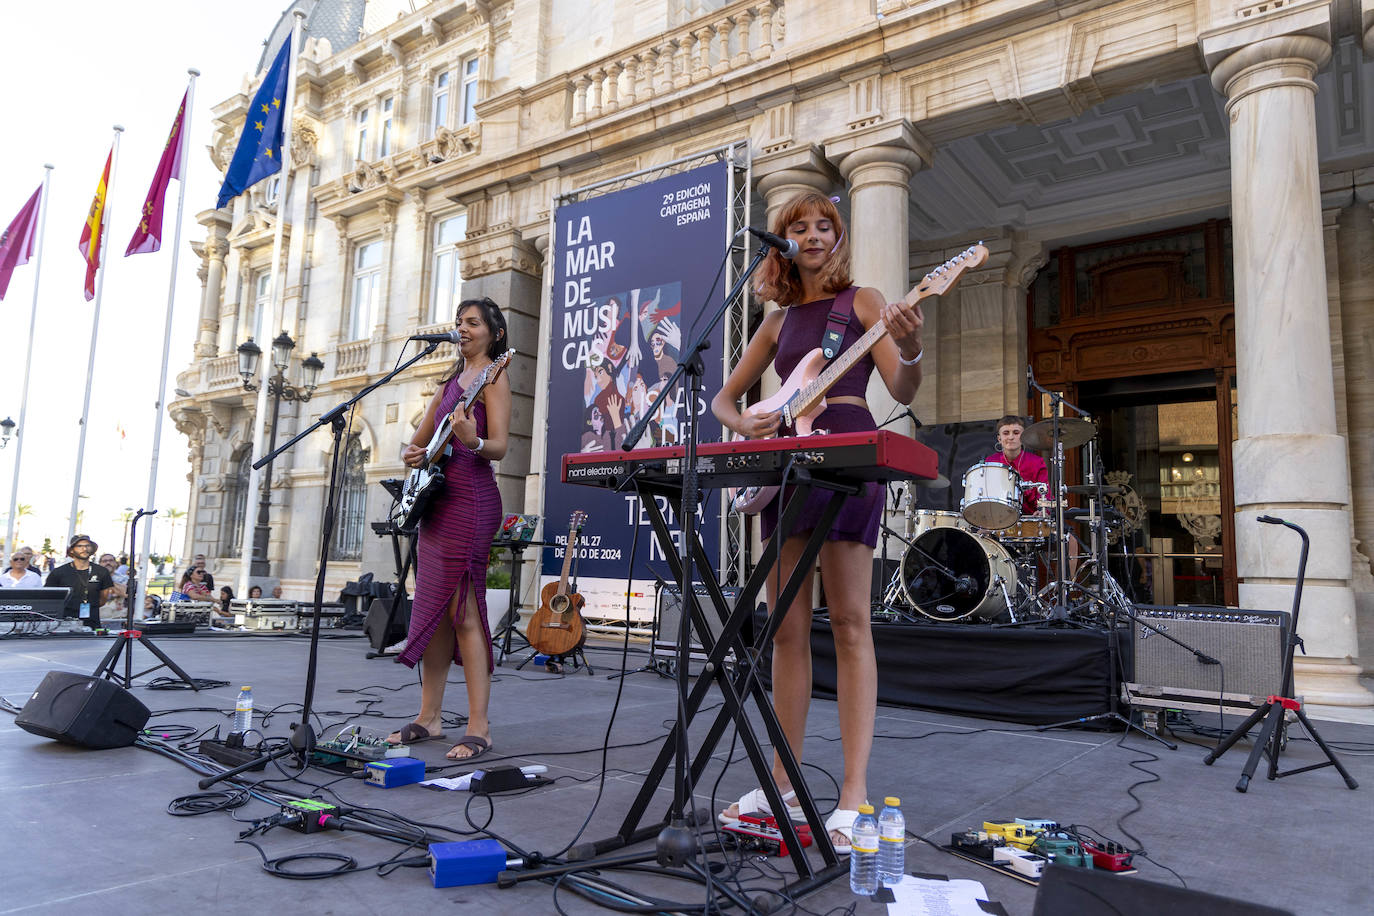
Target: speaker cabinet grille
1249 645
83 710
669 616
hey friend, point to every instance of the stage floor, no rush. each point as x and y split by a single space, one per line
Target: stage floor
87 831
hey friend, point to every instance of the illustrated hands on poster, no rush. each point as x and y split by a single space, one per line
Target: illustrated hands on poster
616 405
672 334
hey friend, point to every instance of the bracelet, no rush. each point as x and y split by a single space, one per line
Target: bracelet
481 444
911 362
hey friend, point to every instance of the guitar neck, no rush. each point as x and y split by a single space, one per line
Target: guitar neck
816 390
567 561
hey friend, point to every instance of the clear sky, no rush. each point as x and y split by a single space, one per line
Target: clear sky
76 69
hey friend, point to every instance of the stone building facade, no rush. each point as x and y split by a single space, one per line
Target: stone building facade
1171 190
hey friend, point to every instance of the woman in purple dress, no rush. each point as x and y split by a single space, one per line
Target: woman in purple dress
808 285
448 617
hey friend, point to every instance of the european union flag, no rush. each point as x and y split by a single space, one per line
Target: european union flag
259 151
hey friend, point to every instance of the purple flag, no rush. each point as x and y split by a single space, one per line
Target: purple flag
16 245
148 235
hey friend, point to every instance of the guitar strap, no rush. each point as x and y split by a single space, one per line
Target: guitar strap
837 321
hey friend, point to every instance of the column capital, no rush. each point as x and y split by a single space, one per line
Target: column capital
799 166
890 143
1301 32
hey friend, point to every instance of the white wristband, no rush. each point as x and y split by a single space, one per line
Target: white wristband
911 362
481 444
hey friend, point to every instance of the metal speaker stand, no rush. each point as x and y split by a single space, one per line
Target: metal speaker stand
124 640
1272 713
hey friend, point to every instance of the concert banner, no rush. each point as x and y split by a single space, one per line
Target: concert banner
633 284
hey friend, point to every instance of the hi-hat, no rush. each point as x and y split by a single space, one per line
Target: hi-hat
1073 432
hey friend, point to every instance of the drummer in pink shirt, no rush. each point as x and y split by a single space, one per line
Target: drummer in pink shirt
1029 467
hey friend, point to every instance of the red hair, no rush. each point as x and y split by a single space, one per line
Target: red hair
778 278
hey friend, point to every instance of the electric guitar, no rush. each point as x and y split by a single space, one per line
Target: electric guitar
556 628
427 481
802 397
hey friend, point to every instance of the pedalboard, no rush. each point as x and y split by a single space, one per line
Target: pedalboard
760 833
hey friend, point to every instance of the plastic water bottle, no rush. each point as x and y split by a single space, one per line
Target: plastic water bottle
891 842
863 855
243 710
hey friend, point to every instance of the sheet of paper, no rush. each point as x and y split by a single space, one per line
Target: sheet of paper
450 783
926 897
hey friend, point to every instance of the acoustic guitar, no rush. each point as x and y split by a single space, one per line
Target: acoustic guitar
802 397
426 481
556 628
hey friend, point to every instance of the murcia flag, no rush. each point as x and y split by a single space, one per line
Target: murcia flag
16 244
92 234
148 235
259 151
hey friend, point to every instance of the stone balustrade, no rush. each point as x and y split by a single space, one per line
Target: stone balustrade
352 358
734 36
222 372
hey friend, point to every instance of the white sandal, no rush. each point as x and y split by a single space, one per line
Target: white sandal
841 821
755 800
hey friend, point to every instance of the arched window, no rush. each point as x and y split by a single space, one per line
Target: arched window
351 518
235 505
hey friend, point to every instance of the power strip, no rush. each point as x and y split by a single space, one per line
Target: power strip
231 757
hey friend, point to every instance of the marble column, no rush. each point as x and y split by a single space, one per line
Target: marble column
878 162
779 177
217 225
1289 459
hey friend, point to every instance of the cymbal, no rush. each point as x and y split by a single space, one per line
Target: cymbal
1073 432
1090 489
939 482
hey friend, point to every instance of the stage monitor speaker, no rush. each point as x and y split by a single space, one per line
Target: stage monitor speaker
83 710
1081 890
377 634
1249 645
668 617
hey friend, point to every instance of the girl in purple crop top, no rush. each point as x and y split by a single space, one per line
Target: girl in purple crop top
807 285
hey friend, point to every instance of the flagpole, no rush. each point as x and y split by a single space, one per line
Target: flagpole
255 481
28 364
95 332
151 503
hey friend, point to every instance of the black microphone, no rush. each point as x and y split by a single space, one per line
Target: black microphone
905 413
963 585
1030 385
442 337
785 247
1269 520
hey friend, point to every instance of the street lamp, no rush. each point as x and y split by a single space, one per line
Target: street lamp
250 354
6 431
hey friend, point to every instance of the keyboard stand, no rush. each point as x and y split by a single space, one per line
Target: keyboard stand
736 684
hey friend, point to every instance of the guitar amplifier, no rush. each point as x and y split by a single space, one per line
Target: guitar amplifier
1249 645
668 617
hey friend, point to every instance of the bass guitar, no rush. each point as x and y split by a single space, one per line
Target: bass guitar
556 628
802 396
426 481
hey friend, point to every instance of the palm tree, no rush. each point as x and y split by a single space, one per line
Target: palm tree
124 518
21 510
173 515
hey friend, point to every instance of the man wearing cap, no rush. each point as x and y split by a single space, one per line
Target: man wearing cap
88 585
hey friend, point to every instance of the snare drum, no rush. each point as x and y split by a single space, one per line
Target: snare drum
992 496
1030 528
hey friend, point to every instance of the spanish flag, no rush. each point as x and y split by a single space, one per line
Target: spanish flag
92 236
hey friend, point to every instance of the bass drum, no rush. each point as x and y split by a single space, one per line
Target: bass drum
932 591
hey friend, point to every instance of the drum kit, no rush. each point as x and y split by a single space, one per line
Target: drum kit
983 563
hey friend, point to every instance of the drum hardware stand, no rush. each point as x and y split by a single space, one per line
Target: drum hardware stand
1059 611
889 600
1271 739
302 742
124 640
403 568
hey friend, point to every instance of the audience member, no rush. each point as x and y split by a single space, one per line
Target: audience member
19 575
87 584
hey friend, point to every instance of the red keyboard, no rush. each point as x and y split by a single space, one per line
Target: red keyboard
874 455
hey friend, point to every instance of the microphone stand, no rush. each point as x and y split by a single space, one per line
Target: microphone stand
676 844
302 741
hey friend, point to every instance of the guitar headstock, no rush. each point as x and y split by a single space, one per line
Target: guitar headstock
939 280
576 521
